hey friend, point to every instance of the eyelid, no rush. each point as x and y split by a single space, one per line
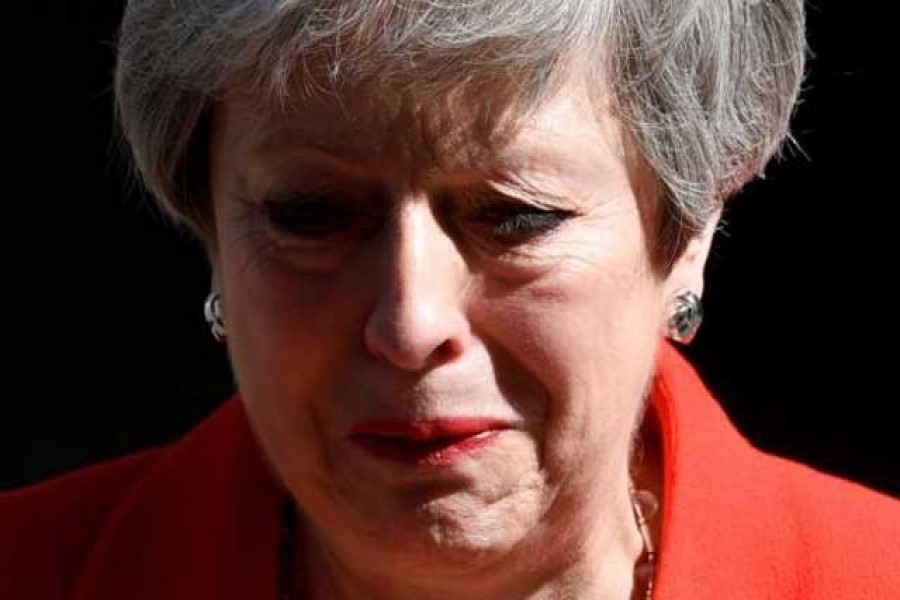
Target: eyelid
514 190
316 216
300 182
512 224
304 193
499 205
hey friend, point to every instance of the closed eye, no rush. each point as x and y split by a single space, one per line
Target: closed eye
313 216
516 222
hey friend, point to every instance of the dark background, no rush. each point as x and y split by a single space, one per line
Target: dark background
105 351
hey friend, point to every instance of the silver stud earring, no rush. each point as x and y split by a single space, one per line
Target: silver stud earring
687 314
215 318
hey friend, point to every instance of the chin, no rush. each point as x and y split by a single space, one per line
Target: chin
457 532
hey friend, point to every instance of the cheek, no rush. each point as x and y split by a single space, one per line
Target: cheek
588 335
288 336
280 332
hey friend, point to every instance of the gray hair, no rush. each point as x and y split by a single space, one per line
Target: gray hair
704 88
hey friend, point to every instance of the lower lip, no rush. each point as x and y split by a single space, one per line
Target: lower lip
442 451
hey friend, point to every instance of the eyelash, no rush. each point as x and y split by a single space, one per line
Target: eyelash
313 216
317 218
515 222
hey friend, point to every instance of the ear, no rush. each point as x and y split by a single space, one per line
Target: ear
687 272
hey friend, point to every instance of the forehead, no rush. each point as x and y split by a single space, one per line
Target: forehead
416 138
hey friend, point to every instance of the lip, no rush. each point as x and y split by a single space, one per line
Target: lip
431 442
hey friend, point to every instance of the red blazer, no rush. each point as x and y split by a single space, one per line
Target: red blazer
201 519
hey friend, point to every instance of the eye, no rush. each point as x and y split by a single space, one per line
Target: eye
313 216
515 222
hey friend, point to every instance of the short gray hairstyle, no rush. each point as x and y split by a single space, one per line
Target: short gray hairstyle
704 88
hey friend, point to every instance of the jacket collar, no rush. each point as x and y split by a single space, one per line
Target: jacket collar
202 523
724 512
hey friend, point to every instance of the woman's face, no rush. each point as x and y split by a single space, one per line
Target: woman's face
443 341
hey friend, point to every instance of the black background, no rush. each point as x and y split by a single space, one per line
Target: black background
104 348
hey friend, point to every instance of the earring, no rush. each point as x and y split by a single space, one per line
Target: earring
212 310
686 317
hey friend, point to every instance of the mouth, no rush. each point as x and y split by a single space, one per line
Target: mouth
430 443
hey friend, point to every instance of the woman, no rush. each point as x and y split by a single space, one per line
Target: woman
447 240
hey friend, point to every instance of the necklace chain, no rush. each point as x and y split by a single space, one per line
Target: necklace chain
646 566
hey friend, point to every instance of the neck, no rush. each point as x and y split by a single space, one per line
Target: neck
585 561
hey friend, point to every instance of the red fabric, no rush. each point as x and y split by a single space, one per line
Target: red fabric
200 519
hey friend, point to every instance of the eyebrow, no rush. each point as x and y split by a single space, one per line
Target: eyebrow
506 167
290 144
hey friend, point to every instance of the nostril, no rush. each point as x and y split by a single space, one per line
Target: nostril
445 352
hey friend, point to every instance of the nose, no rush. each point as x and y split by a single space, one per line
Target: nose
418 320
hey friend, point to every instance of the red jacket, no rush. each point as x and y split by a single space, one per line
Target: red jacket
201 519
